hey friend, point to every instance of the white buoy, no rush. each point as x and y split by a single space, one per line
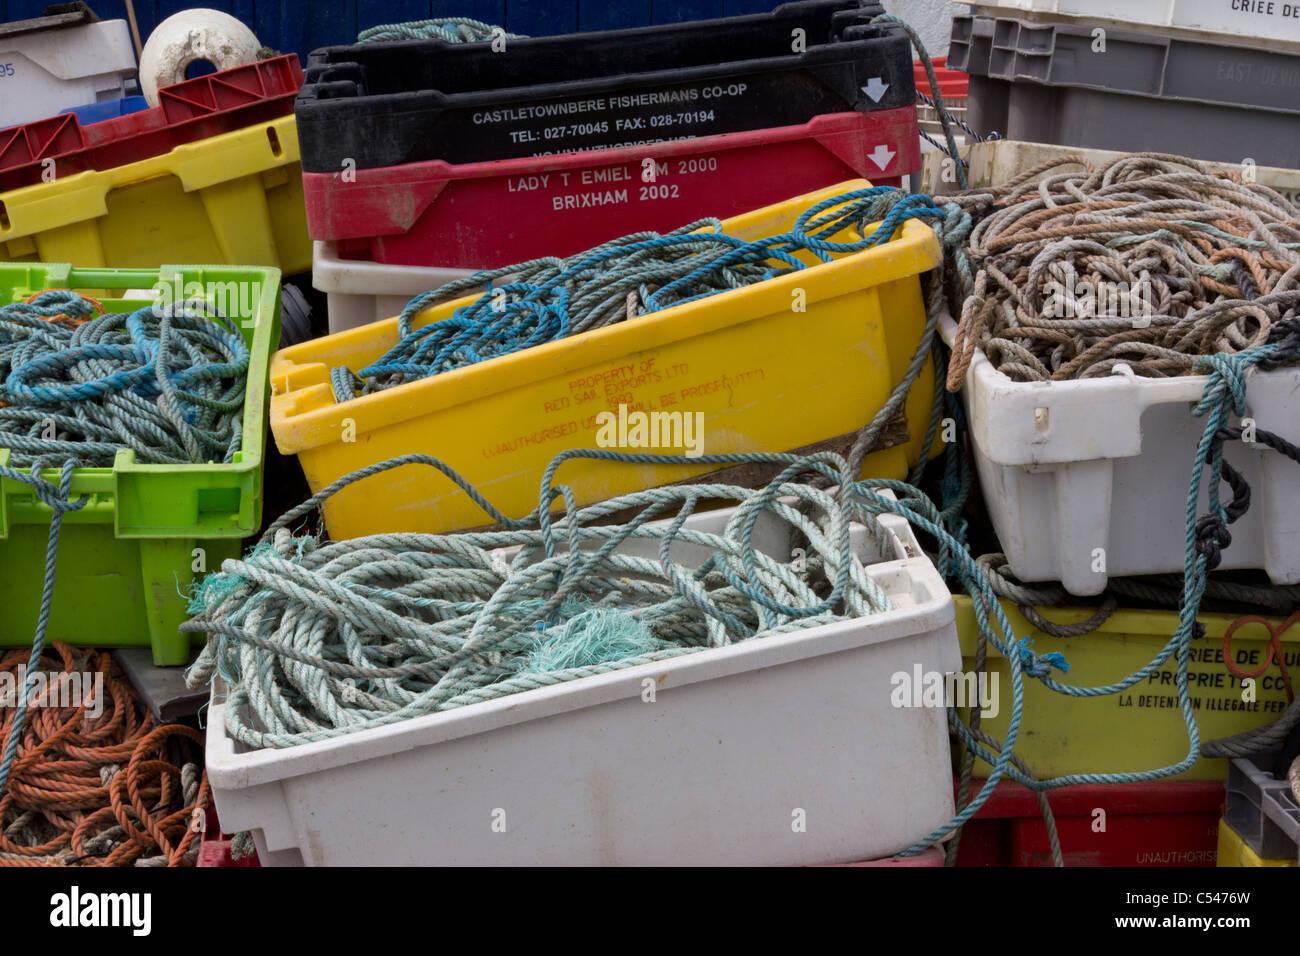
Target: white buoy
189 37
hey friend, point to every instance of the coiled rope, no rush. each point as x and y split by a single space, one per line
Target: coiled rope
449 29
319 640
79 385
167 383
96 783
1151 261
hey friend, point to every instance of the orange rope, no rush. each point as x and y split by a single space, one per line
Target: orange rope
1275 650
104 790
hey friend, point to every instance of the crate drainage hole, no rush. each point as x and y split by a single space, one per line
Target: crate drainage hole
276 149
4 217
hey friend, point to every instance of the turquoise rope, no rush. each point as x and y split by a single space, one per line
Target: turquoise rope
448 29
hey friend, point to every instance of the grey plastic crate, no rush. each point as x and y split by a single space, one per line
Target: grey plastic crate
1150 64
1261 809
1084 115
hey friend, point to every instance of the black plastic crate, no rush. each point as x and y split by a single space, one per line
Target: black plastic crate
386 104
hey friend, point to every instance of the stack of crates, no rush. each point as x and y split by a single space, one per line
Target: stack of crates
1088 73
209 175
425 161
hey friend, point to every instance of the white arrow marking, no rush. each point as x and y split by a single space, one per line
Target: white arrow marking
875 89
882 156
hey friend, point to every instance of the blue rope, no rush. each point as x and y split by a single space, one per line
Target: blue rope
554 299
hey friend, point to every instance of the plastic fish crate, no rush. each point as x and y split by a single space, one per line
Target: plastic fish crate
1141 728
737 739
93 113
1236 852
193 110
43 71
386 104
738 358
1043 83
1262 810
1067 468
125 559
999 161
486 215
215 846
954 86
1228 21
1162 823
359 292
233 199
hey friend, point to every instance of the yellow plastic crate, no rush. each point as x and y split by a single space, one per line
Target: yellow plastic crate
1141 728
233 199
1234 851
766 378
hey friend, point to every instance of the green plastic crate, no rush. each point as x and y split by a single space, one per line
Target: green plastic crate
127 559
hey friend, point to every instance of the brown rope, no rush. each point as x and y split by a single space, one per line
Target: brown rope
1151 260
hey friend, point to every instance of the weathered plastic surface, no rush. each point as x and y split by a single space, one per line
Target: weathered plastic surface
1088 479
358 292
47 71
1110 115
1158 823
385 104
486 215
702 788
1231 21
224 102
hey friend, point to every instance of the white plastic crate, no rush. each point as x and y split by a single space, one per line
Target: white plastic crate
715 770
1274 22
47 71
359 292
1087 479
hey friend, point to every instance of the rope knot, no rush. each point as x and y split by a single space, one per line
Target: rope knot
1226 372
1212 536
1040 665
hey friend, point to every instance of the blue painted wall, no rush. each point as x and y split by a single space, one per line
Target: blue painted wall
302 25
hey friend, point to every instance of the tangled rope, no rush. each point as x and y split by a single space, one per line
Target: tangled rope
319 639
166 382
449 29
95 783
1151 261
621 280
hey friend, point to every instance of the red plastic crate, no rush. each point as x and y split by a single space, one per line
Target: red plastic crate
484 215
953 84
186 112
1164 823
214 846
